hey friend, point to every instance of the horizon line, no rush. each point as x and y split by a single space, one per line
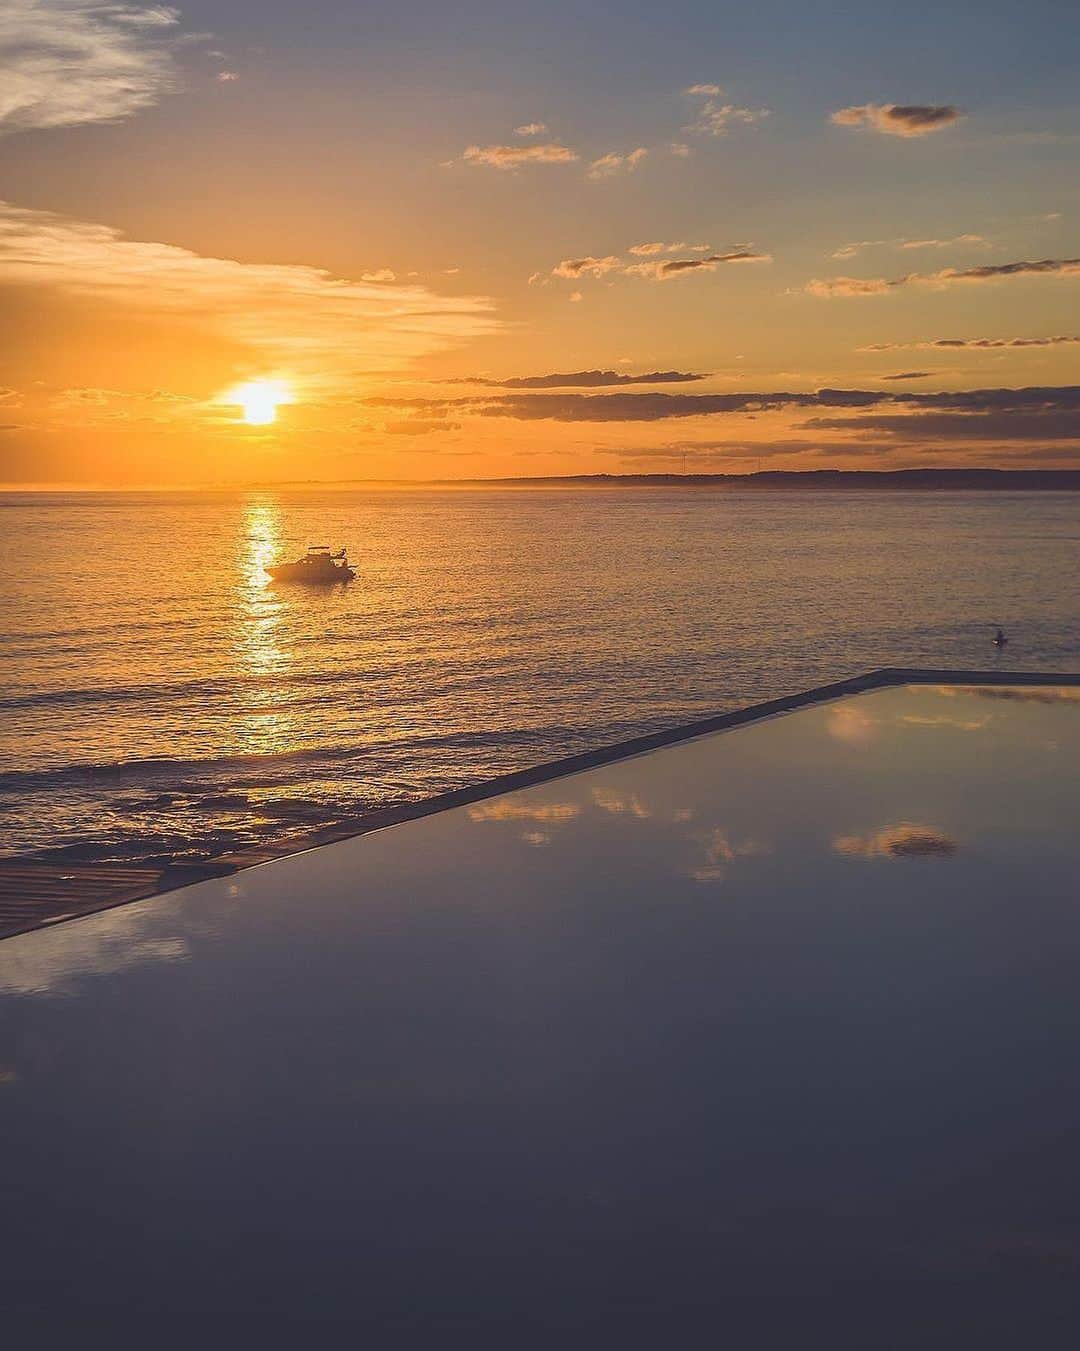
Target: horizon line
1056 477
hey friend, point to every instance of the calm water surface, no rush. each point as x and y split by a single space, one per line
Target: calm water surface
160 698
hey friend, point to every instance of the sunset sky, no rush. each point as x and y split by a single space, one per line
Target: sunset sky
268 241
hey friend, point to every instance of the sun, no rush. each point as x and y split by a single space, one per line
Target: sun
259 400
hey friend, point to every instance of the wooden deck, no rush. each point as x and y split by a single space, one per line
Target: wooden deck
33 894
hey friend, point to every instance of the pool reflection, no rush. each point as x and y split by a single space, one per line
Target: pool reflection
768 1012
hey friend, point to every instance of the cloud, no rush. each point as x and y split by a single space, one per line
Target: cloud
226 76
1033 398
654 268
909 375
607 166
575 297
679 267
658 246
1035 413
514 156
975 344
580 379
64 63
1069 267
88 394
421 426
621 407
852 286
904 840
715 119
944 243
898 119
874 286
531 129
318 327
679 150
1047 403
991 272
850 250
93 395
984 425
586 267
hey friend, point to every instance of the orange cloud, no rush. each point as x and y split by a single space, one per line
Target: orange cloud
850 250
514 156
876 286
972 344
714 118
898 119
607 166
681 267
586 267
320 327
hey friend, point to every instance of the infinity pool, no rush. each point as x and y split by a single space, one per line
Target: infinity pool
789 1010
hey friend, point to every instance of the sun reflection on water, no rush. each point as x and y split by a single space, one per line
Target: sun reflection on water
265 724
262 537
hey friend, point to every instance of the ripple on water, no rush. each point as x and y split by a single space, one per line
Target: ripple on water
167 704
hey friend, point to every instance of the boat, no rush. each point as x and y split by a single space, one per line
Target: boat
318 566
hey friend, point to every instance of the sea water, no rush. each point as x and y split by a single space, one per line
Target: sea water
162 699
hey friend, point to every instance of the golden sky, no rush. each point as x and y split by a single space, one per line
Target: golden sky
243 244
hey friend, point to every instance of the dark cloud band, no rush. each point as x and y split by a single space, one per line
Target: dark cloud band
877 286
979 344
656 407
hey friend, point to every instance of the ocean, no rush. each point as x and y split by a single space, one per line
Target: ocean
161 700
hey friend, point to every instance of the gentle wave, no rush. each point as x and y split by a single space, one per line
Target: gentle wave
271 764
175 707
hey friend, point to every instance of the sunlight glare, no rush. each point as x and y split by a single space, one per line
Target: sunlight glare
259 400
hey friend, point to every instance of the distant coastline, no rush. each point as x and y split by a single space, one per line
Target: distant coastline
1035 480
1004 480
